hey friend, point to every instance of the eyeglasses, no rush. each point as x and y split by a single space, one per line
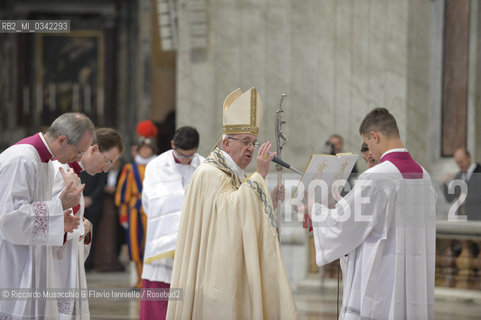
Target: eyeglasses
183 156
246 143
79 152
108 162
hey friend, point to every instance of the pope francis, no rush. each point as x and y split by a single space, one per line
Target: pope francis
228 259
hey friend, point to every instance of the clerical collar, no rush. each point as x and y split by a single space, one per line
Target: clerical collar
46 144
40 144
175 159
237 170
394 150
77 167
402 160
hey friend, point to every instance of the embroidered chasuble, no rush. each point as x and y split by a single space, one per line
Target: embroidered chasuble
228 259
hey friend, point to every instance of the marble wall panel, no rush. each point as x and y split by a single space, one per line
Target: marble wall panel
397 61
277 61
418 81
343 49
336 60
455 76
304 78
327 70
359 69
379 63
474 80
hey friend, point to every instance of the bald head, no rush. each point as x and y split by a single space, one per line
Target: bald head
463 159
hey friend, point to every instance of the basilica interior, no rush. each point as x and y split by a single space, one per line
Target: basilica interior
174 62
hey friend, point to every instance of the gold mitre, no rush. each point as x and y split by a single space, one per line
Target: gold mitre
242 112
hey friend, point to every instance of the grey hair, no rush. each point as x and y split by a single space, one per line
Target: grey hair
222 139
73 125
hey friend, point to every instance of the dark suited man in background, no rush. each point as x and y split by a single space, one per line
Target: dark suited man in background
469 172
93 195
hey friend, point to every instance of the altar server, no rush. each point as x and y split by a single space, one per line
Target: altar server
386 225
30 219
166 180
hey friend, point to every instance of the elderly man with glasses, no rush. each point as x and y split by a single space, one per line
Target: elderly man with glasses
227 257
166 180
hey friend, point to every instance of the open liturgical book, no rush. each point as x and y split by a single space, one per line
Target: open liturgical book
326 175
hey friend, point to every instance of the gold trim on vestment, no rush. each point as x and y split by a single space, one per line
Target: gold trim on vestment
168 254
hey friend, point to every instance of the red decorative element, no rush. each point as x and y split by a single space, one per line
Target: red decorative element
147 129
76 167
123 219
76 209
307 223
